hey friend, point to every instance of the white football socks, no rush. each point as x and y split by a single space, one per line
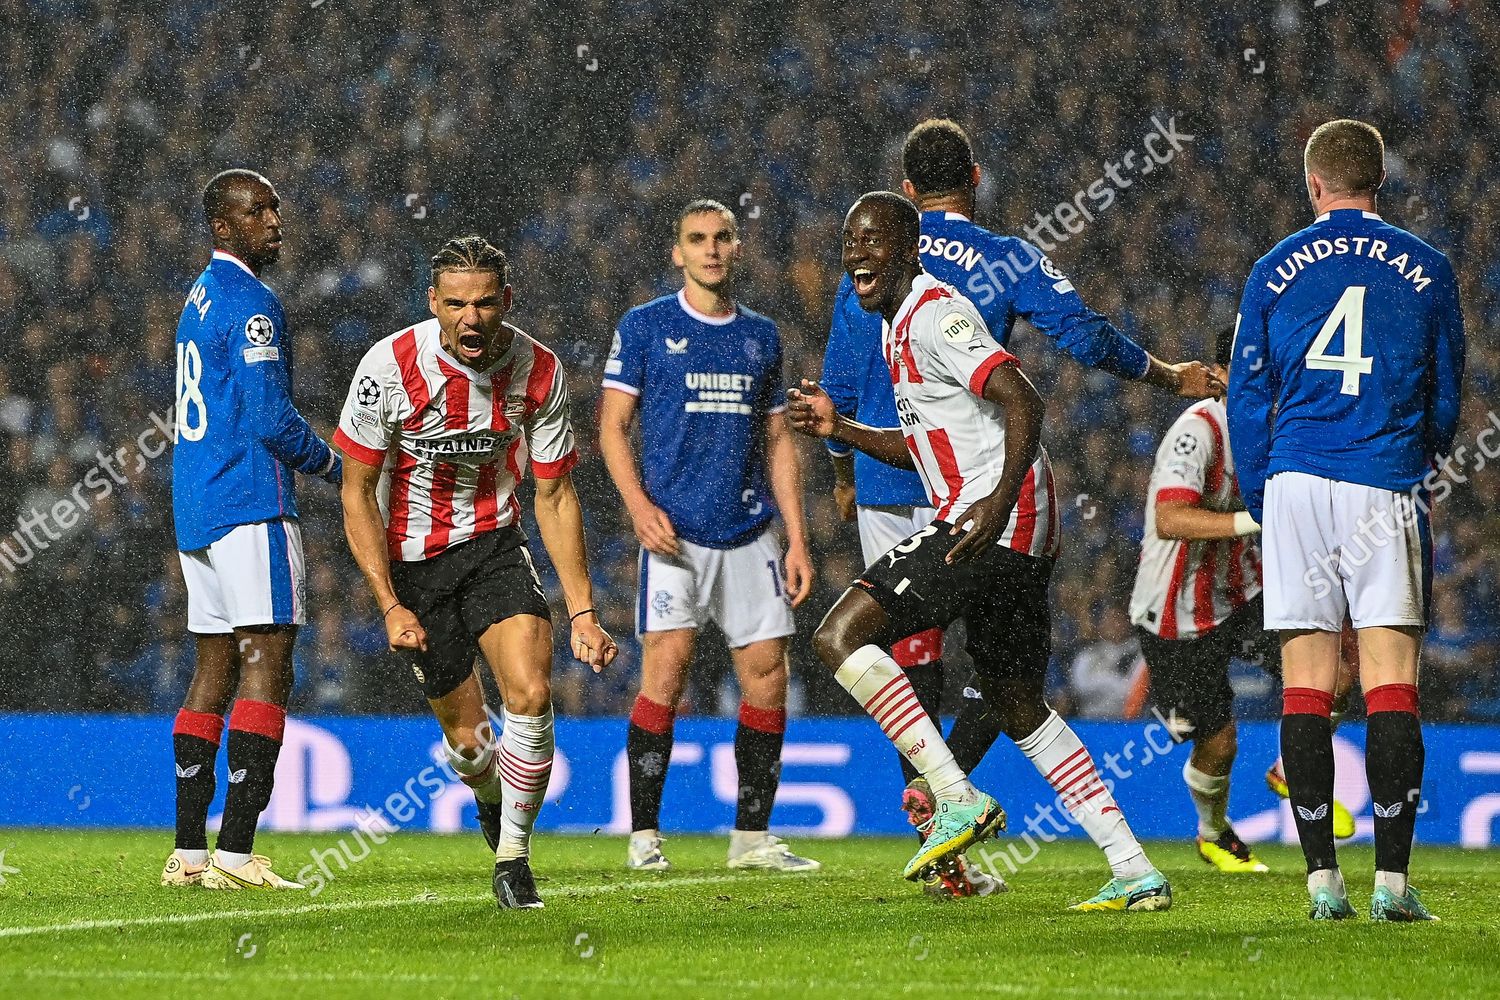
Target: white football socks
479 772
526 749
1394 881
1330 878
1055 750
1210 794
873 678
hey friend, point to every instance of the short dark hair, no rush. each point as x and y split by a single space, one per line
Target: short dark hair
938 157
904 210
1224 345
469 253
1348 155
216 191
698 205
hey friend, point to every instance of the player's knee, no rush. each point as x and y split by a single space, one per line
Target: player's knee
1019 718
530 697
839 634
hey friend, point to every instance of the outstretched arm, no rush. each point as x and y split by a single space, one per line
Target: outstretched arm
812 413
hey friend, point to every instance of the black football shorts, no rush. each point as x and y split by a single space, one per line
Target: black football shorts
1191 676
459 593
1000 594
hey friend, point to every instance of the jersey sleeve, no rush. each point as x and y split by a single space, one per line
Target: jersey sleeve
954 338
258 357
773 395
840 377
1048 300
1252 392
1183 460
626 368
549 432
1448 367
374 409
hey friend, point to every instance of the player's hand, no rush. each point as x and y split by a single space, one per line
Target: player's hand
985 520
591 644
1197 380
799 574
810 410
843 495
654 530
403 631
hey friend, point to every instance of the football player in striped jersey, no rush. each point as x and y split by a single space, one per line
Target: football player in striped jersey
971 426
440 422
1196 604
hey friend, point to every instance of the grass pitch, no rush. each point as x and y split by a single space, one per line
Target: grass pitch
81 915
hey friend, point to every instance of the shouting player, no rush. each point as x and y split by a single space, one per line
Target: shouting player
704 372
1005 278
971 426
1344 393
238 441
1196 605
442 419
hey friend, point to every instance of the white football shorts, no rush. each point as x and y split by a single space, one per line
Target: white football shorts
883 528
742 590
1331 547
254 575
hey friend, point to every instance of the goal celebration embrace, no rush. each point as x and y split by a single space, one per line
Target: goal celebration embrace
767 501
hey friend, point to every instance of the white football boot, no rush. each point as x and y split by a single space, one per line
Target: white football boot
254 874
760 850
644 854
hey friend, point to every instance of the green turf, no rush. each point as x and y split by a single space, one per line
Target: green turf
416 919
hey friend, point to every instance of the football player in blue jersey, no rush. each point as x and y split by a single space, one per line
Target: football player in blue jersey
239 441
1343 402
1006 278
717 463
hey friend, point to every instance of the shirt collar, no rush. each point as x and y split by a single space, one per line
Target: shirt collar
705 317
1328 215
483 377
231 258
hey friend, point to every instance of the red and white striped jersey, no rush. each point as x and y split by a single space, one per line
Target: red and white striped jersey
1184 589
452 441
940 354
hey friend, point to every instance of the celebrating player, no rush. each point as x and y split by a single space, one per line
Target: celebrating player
1196 605
705 374
442 417
1005 278
971 426
1344 392
235 511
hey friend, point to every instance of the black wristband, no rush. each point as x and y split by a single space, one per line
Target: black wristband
585 611
388 610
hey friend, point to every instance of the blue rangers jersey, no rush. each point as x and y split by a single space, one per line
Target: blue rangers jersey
238 436
706 385
1348 355
1006 278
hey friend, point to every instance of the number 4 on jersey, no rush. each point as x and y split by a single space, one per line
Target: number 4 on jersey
1348 314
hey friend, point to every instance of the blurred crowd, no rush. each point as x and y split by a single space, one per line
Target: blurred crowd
571 137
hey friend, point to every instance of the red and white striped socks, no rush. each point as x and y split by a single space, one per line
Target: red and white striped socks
525 760
1060 756
872 677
